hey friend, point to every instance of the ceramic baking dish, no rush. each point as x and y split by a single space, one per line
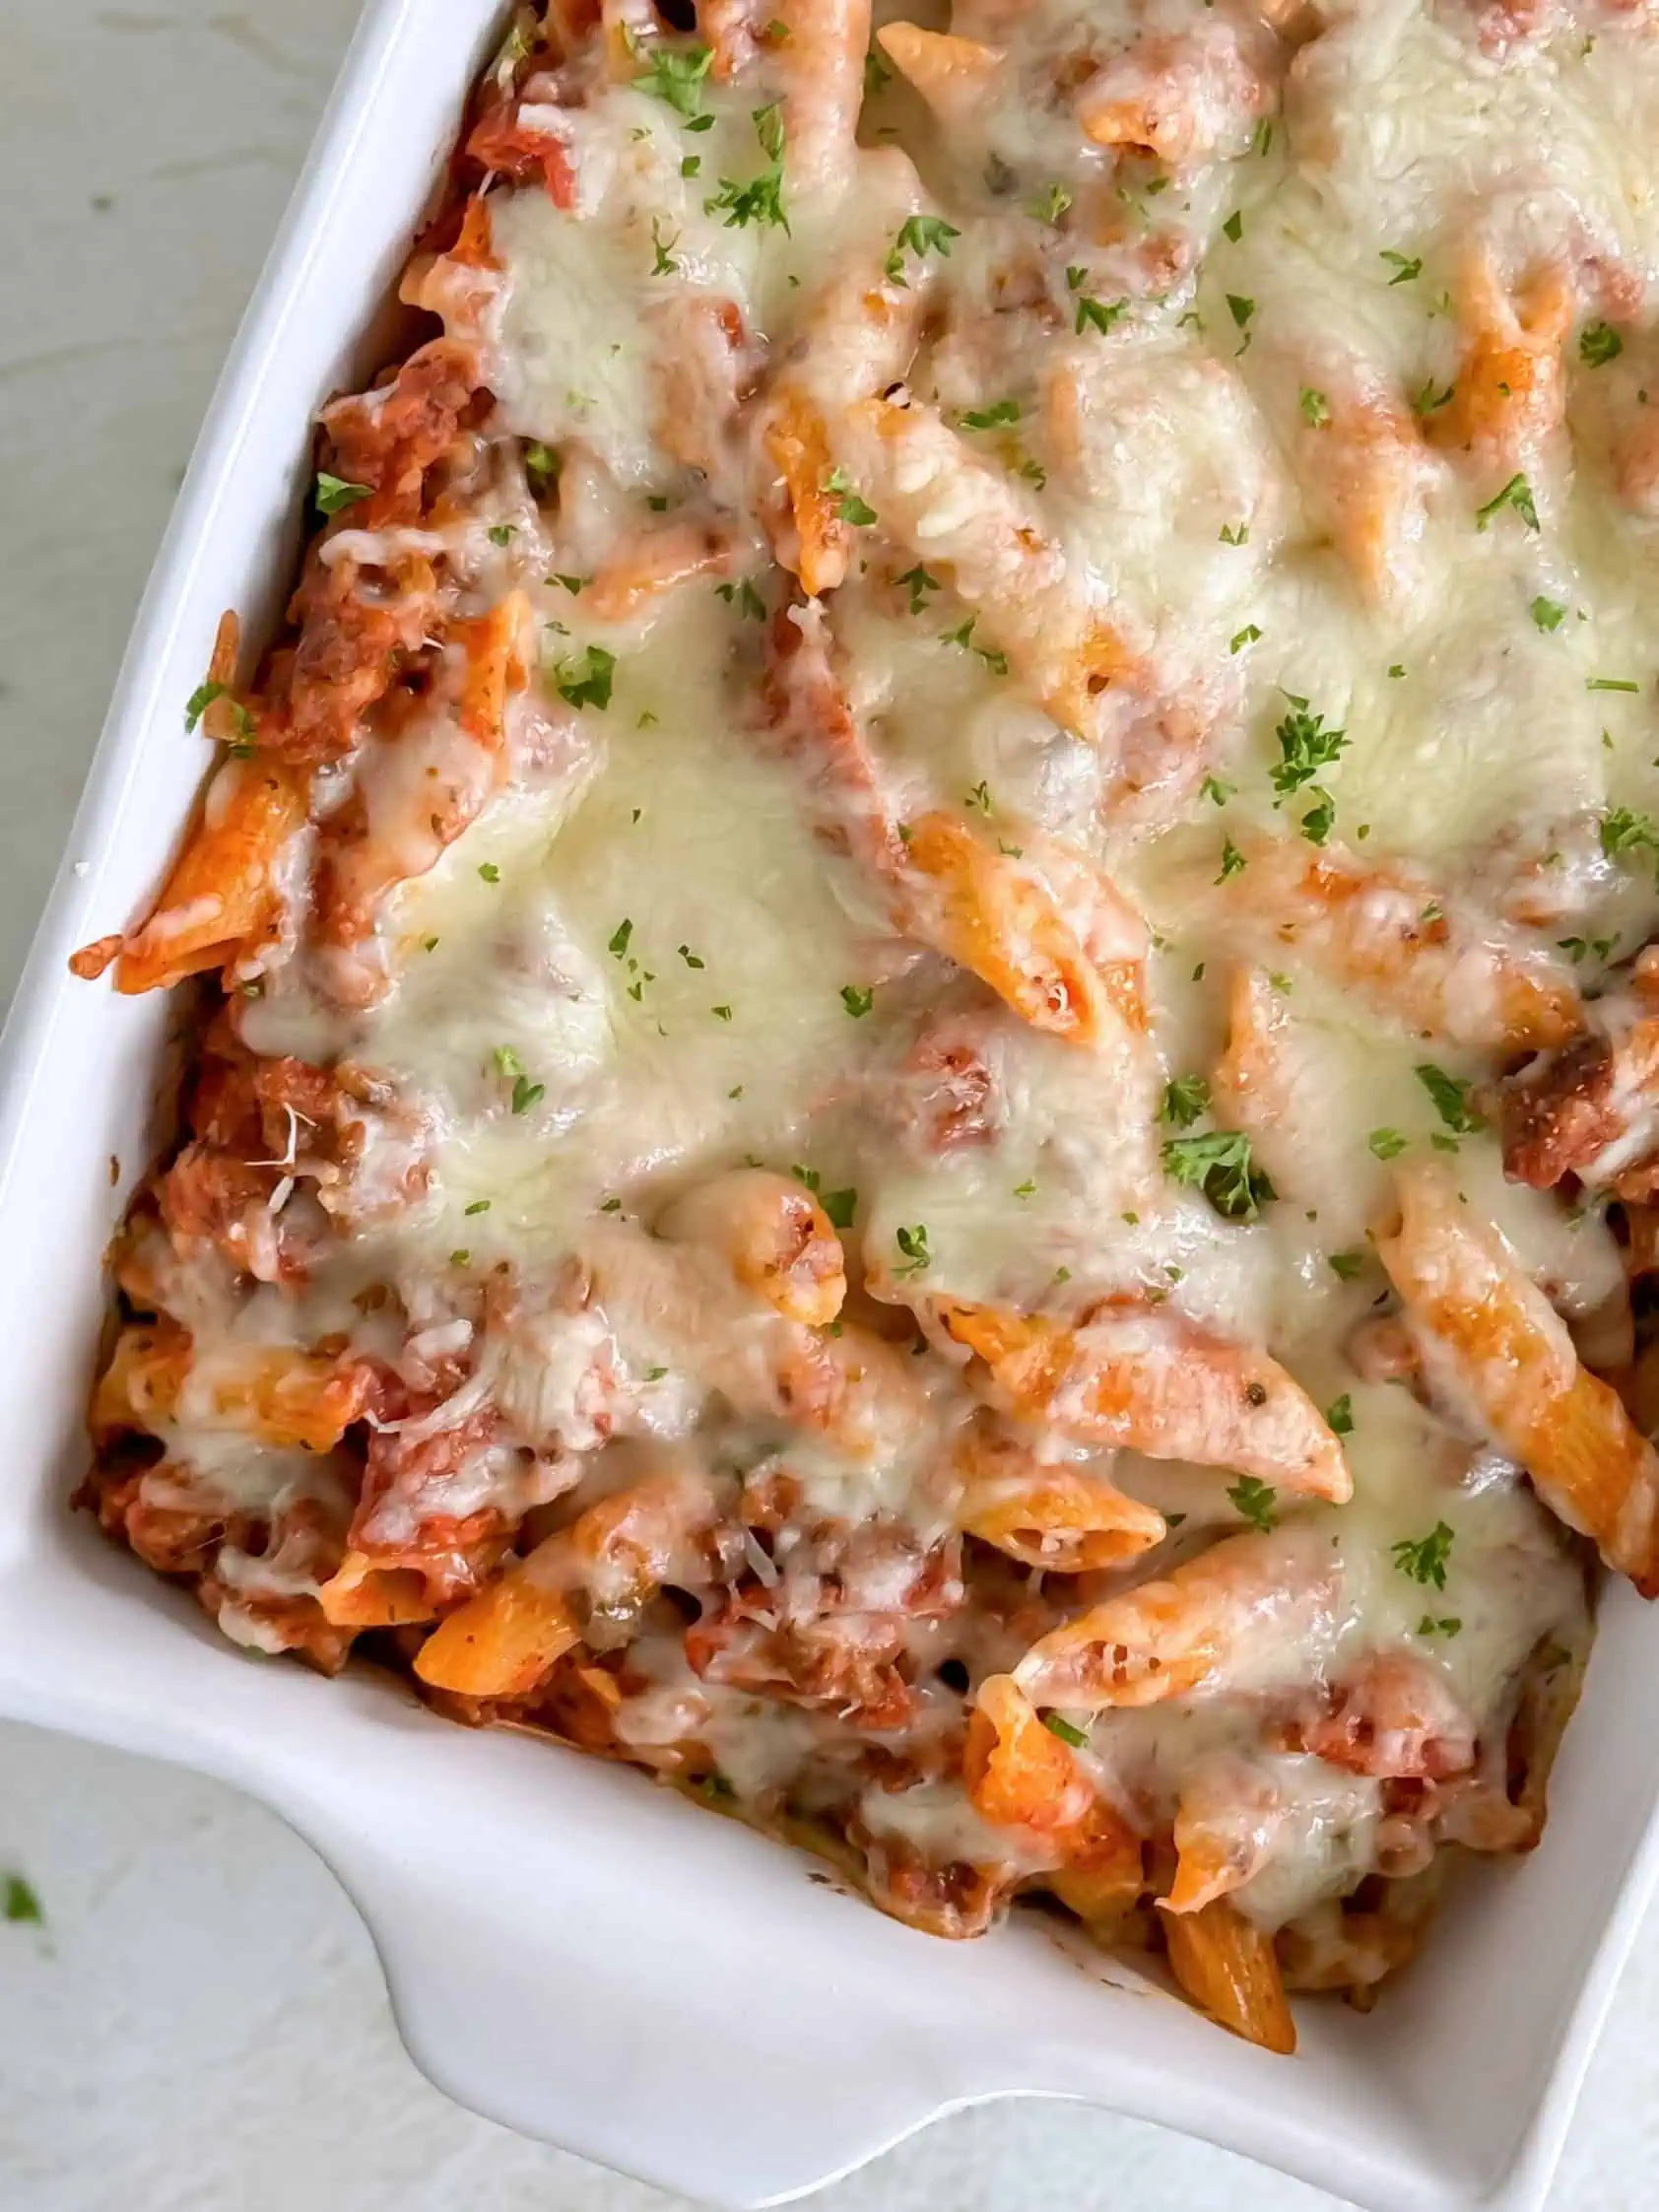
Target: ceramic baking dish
570 1950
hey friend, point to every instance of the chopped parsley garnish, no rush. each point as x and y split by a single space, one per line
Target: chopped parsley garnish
979 798
479 1206
1611 684
241 721
502 533
677 77
1345 1265
665 264
1321 818
1058 1725
1232 861
1220 1163
541 465
920 583
525 1094
1235 533
1425 1561
1214 789
1184 1100
20 1903
1548 614
912 1242
1598 344
721 1013
489 871
335 493
584 679
1305 747
1025 1189
690 959
920 234
761 200
1315 408
839 1206
1405 266
1097 315
1240 308
857 1002
996 662
1623 831
1241 638
1339 1418
1052 205
1451 1099
989 418
1447 1625
1431 397
508 1061
1516 494
1234 227
743 597
850 508
619 939
1387 1144
1257 1500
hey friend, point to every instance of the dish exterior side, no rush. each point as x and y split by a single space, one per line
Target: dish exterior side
1464 2104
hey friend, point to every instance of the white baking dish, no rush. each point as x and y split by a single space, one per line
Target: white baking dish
570 1950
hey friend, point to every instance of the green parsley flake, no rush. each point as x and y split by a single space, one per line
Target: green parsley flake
857 1002
1425 1561
1315 408
1058 1725
1186 1100
334 494
1345 1265
677 77
1232 861
1516 494
1598 344
920 234
1548 614
1624 830
991 418
1405 267
1305 747
912 1244
1257 1500
1220 1163
1451 1099
1339 1418
852 507
584 679
1387 1144
21 1902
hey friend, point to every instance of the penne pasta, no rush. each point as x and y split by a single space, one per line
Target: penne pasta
1508 1353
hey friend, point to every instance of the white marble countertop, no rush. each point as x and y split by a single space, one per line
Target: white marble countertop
201 2022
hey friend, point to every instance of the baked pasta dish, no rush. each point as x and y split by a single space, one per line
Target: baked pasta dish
924 1073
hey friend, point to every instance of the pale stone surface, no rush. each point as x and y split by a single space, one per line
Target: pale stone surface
202 2023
